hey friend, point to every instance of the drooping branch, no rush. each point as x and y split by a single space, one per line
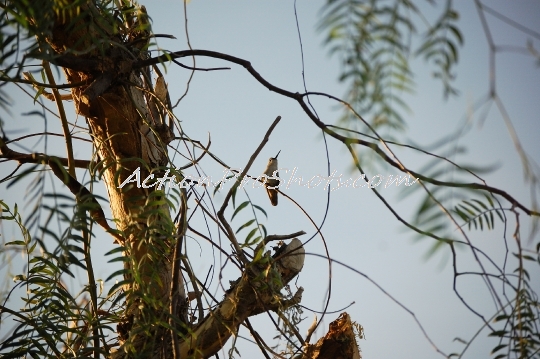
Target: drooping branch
8 153
80 191
41 84
299 97
74 186
63 120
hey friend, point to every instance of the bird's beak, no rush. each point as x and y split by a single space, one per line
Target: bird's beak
277 154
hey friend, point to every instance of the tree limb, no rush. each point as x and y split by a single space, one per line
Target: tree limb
8 153
249 295
345 140
221 212
79 190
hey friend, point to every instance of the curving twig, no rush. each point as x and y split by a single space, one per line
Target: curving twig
230 232
78 189
36 157
299 97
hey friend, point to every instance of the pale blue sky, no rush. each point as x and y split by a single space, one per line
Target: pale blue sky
359 230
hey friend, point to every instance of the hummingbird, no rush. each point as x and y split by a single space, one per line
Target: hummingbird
272 182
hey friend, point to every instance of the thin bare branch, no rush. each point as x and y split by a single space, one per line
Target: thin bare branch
221 212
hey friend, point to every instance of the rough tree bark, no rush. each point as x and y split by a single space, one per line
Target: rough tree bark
128 119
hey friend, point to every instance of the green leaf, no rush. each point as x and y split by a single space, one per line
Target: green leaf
258 255
116 250
119 259
16 243
245 225
480 203
499 214
454 30
23 174
263 229
468 210
461 214
498 333
239 208
501 317
254 241
250 235
478 210
261 209
116 273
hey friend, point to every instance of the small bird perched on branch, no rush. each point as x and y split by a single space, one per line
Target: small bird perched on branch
272 182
